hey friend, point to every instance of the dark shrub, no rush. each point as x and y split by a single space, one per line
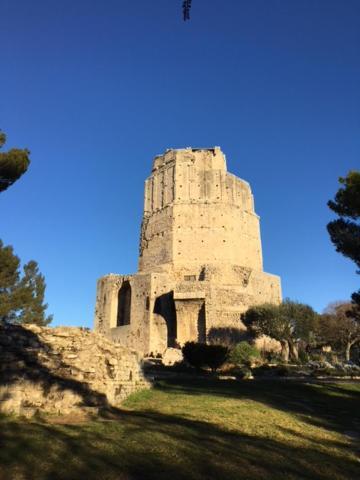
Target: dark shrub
194 353
215 356
201 354
282 371
263 370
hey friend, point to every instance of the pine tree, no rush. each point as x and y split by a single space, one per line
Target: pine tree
13 164
21 297
9 282
345 231
33 287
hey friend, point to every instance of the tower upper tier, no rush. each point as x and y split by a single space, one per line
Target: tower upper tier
194 175
197 213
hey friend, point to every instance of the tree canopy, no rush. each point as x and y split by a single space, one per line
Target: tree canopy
345 231
13 164
338 327
21 295
288 323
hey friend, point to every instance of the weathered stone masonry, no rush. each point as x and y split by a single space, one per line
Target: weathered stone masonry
64 370
200 263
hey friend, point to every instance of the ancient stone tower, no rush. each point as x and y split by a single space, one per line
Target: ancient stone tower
200 263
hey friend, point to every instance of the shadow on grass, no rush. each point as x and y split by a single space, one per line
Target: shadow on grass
326 405
149 445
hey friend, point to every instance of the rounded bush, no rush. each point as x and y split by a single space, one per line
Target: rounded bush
244 354
200 354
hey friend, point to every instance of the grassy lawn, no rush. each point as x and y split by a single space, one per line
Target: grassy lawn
198 429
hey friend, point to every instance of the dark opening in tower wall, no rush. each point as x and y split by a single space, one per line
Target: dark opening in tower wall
124 304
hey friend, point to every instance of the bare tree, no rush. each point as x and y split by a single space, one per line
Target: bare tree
338 326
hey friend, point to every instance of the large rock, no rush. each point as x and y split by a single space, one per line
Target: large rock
172 356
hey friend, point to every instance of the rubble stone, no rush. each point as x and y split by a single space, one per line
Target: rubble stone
70 370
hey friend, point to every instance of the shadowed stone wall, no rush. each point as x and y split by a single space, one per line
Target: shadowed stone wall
63 370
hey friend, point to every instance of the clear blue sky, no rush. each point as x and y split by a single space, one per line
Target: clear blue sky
95 89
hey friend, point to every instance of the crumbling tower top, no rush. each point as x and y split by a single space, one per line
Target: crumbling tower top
197 213
211 158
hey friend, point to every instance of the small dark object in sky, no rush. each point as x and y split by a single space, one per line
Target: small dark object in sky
186 9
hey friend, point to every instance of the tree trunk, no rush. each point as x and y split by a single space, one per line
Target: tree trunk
294 351
285 350
348 349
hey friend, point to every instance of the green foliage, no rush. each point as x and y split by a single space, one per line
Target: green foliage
200 354
355 297
33 286
13 164
21 297
10 295
347 198
300 318
345 235
288 321
303 356
244 354
264 319
345 231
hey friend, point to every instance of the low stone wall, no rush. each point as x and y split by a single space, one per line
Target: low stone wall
64 370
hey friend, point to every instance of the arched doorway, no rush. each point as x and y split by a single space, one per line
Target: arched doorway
165 307
124 304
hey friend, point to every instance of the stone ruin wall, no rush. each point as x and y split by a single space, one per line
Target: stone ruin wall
64 370
136 334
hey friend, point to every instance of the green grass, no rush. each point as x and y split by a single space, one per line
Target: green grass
198 429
